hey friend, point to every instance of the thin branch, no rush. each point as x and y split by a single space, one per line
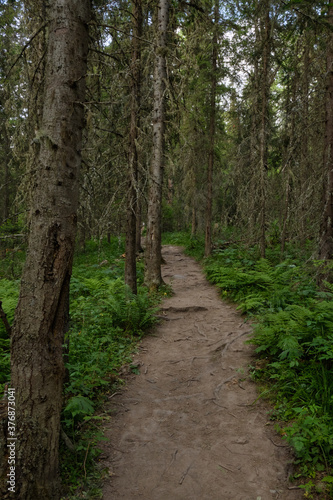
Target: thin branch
26 46
110 131
10 236
299 11
124 33
105 54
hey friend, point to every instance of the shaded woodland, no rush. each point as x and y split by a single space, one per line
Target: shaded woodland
121 119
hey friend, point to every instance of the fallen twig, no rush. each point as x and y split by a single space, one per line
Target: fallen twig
200 332
199 357
279 445
217 390
232 341
84 463
115 394
173 458
184 475
221 406
216 342
67 441
226 468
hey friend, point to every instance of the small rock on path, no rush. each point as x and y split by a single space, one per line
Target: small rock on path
188 427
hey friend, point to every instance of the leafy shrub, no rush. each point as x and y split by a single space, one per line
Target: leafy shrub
258 286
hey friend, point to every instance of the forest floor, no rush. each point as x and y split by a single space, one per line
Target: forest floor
189 426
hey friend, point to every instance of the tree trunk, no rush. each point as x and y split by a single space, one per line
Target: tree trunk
139 248
304 146
194 222
153 257
133 192
290 134
208 232
41 317
6 157
265 33
326 228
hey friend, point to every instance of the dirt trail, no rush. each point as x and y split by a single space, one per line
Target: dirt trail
186 428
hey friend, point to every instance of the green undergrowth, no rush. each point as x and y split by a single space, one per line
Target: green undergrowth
106 324
9 290
193 246
293 335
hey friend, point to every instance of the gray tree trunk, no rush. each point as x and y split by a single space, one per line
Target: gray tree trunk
325 250
41 317
153 256
133 185
265 30
209 204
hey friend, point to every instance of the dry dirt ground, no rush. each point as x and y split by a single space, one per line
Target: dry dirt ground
188 427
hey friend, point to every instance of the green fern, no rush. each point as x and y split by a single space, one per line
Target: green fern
9 292
294 335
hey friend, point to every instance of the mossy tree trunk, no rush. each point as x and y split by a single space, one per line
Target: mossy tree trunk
41 319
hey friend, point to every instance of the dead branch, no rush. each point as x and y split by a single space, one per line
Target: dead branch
232 341
67 441
217 390
10 236
226 468
173 458
25 47
279 445
185 474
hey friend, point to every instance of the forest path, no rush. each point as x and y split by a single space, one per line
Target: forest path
187 427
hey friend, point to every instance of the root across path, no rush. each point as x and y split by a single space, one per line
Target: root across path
189 426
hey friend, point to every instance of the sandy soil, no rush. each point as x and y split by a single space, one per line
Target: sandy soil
188 427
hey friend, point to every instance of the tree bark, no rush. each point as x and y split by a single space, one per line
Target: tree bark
6 157
304 153
153 255
133 191
290 135
265 31
325 251
41 317
208 232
